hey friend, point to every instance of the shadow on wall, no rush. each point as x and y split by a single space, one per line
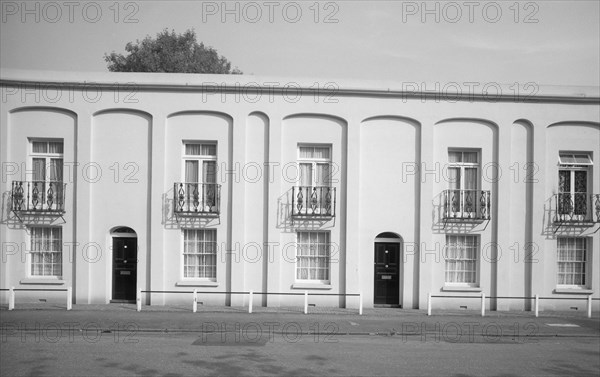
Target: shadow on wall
560 220
171 220
289 224
440 225
24 219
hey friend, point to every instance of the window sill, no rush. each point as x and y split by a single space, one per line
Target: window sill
580 291
42 281
461 289
196 283
311 286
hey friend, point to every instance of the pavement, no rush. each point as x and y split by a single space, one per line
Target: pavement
455 326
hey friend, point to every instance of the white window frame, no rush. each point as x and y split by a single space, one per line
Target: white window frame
477 261
200 158
572 168
47 156
464 165
586 264
183 254
315 162
327 257
44 254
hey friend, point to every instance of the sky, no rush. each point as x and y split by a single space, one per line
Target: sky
544 42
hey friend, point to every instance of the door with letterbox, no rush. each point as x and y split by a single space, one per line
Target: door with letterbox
387 274
124 268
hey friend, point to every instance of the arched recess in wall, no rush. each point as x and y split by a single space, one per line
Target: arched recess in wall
306 129
26 124
469 134
198 147
210 127
390 157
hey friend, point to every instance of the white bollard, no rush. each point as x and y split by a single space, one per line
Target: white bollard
360 303
482 304
537 305
589 306
429 303
11 298
305 302
250 302
139 300
69 298
195 302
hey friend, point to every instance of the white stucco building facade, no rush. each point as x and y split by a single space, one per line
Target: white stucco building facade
158 182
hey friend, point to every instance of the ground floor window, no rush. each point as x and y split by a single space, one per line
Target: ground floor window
572 259
312 256
46 251
200 253
461 255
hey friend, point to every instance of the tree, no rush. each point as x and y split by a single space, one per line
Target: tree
169 52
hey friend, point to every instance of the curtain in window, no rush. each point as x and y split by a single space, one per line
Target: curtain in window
454 178
461 259
314 152
191 171
306 174
312 262
193 149
39 147
209 172
323 175
46 251
470 157
470 179
56 169
39 169
55 147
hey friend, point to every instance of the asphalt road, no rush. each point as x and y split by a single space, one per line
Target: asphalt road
252 353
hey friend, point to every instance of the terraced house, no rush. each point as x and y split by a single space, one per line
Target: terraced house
118 183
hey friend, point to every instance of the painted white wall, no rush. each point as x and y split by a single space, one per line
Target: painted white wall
371 134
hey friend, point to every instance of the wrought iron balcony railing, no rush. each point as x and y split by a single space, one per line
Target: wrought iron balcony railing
313 201
576 208
197 199
466 204
38 197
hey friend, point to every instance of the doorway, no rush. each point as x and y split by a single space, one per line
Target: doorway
124 276
387 270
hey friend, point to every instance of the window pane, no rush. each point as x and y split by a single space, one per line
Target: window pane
56 169
582 159
454 157
567 159
470 157
39 169
39 147
55 147
209 172
192 149
312 262
208 150
470 179
191 171
306 174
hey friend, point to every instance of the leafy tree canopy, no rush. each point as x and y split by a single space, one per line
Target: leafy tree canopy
169 52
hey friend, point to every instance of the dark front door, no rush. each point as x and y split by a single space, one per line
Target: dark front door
387 273
124 268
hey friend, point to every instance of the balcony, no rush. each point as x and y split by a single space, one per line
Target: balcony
43 197
197 199
313 202
466 205
576 208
